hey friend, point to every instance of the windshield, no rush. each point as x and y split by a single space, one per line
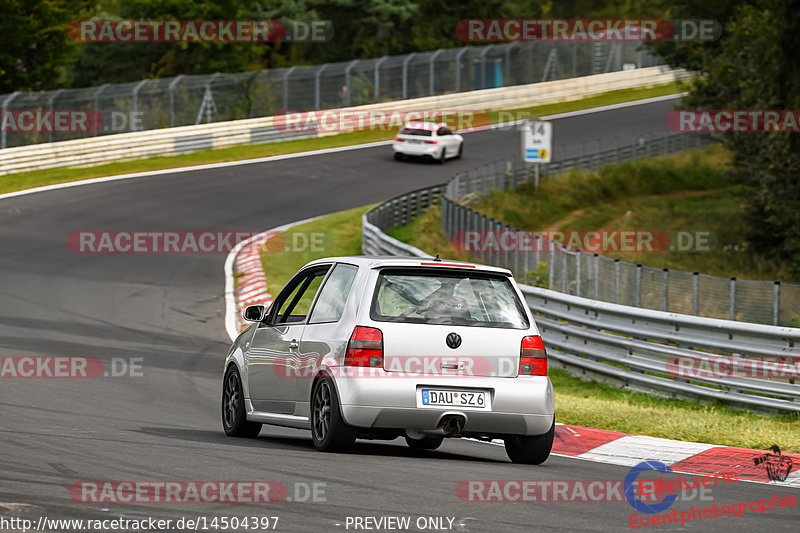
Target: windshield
466 299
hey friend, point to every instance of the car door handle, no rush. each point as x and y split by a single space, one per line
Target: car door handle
293 345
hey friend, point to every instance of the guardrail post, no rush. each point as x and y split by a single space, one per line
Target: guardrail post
695 292
776 303
733 298
665 293
286 88
317 85
405 74
458 67
596 276
551 267
432 71
50 101
638 285
616 281
377 81
564 279
574 60
507 66
347 82
7 101
526 261
135 103
171 88
96 98
577 273
483 65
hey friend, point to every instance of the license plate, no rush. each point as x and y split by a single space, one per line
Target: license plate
450 398
412 141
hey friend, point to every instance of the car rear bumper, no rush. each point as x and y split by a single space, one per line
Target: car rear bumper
518 406
417 150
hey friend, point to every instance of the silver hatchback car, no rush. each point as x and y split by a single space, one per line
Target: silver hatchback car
384 347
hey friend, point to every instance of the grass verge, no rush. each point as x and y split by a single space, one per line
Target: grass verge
38 178
342 236
577 402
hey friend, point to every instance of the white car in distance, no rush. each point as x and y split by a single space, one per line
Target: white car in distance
427 140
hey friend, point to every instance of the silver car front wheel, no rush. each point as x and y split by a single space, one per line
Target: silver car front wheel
234 417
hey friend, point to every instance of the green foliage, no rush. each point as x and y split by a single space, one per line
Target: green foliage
539 276
754 66
34 45
37 50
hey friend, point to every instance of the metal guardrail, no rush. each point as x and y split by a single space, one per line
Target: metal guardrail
636 348
186 139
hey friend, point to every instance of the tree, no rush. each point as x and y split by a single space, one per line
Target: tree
754 67
34 45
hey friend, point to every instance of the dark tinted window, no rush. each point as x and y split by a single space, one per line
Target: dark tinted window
416 131
295 299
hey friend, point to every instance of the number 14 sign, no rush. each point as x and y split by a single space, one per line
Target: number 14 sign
537 140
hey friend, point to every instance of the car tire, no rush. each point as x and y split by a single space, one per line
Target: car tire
460 150
328 429
425 443
442 157
234 417
530 450
398 156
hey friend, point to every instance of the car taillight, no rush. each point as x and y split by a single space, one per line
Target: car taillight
398 139
365 347
431 142
532 357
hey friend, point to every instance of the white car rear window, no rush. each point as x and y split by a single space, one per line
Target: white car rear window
416 131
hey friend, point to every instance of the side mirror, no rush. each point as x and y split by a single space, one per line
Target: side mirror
254 313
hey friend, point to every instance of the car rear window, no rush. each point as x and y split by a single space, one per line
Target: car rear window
447 297
416 131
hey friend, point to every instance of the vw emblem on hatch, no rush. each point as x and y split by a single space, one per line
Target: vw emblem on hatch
453 340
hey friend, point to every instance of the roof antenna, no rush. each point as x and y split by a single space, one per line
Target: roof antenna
437 258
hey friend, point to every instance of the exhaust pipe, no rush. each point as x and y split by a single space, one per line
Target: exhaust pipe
449 426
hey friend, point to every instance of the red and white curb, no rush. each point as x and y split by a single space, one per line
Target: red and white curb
245 282
613 447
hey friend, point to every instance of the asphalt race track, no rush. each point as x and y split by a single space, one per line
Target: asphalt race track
168 310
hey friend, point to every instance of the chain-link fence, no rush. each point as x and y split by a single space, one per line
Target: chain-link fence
196 99
591 275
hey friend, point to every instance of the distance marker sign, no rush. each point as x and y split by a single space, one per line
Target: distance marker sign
537 140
